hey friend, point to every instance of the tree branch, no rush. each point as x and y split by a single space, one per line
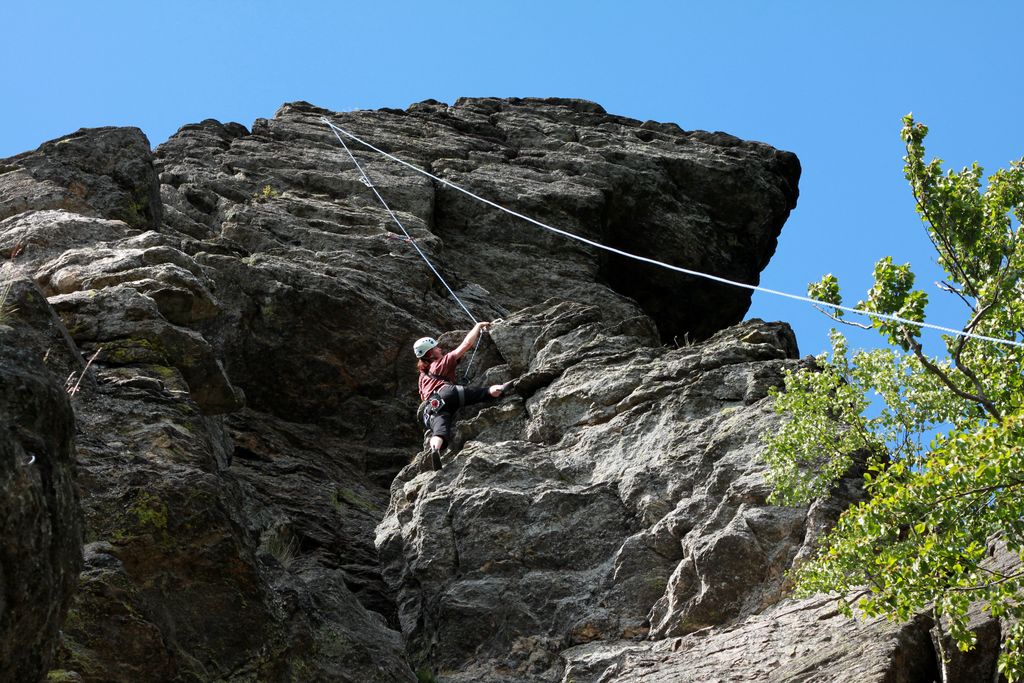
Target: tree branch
957 354
990 584
946 287
842 320
941 645
945 379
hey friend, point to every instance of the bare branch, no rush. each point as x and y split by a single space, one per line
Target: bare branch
946 287
842 320
72 390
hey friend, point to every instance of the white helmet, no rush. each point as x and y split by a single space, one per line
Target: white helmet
423 345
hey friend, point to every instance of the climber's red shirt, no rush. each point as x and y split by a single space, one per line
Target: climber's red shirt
442 367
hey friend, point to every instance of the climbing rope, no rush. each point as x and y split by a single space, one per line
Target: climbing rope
366 181
409 238
469 365
654 262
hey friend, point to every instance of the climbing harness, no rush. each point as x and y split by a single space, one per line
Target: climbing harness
755 288
429 408
433 404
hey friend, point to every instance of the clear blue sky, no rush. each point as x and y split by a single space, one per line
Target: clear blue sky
826 80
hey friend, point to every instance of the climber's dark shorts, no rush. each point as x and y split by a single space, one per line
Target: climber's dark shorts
441 422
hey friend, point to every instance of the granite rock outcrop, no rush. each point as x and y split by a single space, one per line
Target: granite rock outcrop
621 500
247 509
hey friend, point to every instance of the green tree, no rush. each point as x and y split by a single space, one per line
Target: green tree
939 439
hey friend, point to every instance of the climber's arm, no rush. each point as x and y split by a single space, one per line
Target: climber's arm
470 339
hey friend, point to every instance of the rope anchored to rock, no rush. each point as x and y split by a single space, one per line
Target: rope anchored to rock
365 179
661 264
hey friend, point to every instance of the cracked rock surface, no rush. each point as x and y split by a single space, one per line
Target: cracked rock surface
622 499
250 505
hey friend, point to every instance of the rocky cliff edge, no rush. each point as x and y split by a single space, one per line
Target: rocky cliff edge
251 504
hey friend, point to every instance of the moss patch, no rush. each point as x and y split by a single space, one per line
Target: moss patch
134 350
150 512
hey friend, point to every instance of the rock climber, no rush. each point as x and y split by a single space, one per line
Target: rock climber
440 393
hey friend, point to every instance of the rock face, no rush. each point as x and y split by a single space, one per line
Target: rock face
41 548
105 173
190 572
244 432
792 642
636 492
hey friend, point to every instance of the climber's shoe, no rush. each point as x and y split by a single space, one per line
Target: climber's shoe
435 460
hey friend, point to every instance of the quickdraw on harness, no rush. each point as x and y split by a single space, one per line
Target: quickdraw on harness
433 404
